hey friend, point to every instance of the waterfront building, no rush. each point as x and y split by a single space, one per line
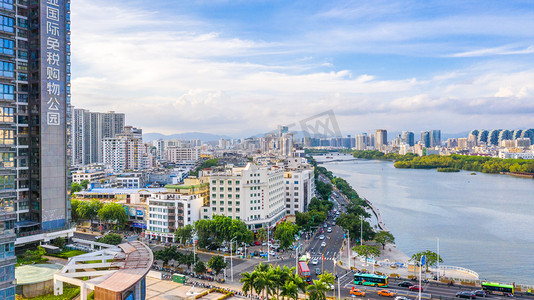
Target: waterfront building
252 194
408 137
381 138
362 141
89 129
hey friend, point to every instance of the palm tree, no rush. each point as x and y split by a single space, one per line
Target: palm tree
290 290
248 282
327 278
317 290
299 282
282 275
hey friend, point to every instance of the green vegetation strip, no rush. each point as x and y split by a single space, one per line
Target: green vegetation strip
69 293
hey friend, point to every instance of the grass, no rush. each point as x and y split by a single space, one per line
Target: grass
68 254
22 261
69 293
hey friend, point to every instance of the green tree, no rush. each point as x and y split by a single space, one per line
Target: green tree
111 239
290 290
384 237
353 224
166 254
74 203
74 188
113 213
59 242
285 232
217 263
248 281
200 267
367 251
184 234
317 291
324 189
431 258
88 210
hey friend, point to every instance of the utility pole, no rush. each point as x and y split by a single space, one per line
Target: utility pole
361 230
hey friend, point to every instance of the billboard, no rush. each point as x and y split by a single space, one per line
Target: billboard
53 113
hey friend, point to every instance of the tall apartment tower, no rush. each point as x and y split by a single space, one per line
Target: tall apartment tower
89 129
426 139
408 138
381 138
125 151
436 138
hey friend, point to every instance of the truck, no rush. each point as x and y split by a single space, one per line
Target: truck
304 271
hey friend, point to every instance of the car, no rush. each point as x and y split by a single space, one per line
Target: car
323 244
386 293
405 284
318 271
257 243
466 294
357 292
314 261
325 225
271 253
415 288
329 229
480 293
334 223
264 244
225 249
401 298
321 237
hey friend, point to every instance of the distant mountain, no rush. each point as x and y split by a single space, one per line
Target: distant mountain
205 137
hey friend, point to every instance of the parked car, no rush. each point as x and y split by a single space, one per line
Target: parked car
415 288
357 292
480 293
257 243
405 284
466 294
323 244
314 261
318 271
386 293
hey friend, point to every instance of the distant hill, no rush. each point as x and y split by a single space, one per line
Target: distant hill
205 137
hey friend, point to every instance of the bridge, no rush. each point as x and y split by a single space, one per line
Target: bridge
336 160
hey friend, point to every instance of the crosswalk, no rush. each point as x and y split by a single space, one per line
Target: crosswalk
319 258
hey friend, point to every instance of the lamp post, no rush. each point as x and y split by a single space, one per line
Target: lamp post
338 283
361 230
231 260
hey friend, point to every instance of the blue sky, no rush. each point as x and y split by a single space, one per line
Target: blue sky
243 67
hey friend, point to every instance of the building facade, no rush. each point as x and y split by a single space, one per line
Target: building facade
125 151
89 129
252 194
381 138
299 189
181 154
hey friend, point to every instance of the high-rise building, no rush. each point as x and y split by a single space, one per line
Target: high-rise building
435 138
426 139
35 127
125 151
362 141
381 138
408 138
89 129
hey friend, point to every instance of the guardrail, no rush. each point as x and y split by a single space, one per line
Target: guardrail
442 267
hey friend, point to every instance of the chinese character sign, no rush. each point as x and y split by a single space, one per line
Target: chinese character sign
53 68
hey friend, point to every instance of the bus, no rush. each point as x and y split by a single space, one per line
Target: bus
304 271
491 287
370 279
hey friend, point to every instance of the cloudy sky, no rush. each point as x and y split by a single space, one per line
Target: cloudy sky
245 66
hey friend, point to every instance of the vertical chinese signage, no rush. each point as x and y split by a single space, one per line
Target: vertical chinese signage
53 121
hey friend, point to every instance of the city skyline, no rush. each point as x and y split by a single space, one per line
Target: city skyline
239 68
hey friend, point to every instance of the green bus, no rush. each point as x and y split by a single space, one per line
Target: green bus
492 287
370 279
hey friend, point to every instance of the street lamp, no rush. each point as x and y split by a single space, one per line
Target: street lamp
338 284
231 260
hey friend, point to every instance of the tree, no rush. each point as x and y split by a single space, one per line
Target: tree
248 280
384 237
317 291
111 239
367 251
290 290
113 213
184 234
166 254
285 232
88 210
217 263
324 189
352 223
200 267
74 203
74 188
59 242
431 258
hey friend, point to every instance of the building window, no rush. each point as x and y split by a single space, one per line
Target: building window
237 182
221 202
7 114
237 203
229 209
214 202
6 24
221 182
214 195
221 196
7 4
6 47
230 182
214 181
7 92
6 137
229 196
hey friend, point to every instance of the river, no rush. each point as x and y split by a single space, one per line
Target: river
484 222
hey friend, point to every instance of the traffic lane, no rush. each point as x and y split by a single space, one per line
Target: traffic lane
335 242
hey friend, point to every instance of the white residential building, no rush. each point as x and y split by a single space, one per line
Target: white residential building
180 154
252 194
125 151
299 188
170 211
91 175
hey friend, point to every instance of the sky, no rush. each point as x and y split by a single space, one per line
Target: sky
240 68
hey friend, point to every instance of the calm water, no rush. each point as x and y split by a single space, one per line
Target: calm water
484 222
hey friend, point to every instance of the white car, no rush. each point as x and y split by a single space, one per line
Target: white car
323 244
321 237
271 253
329 229
315 261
